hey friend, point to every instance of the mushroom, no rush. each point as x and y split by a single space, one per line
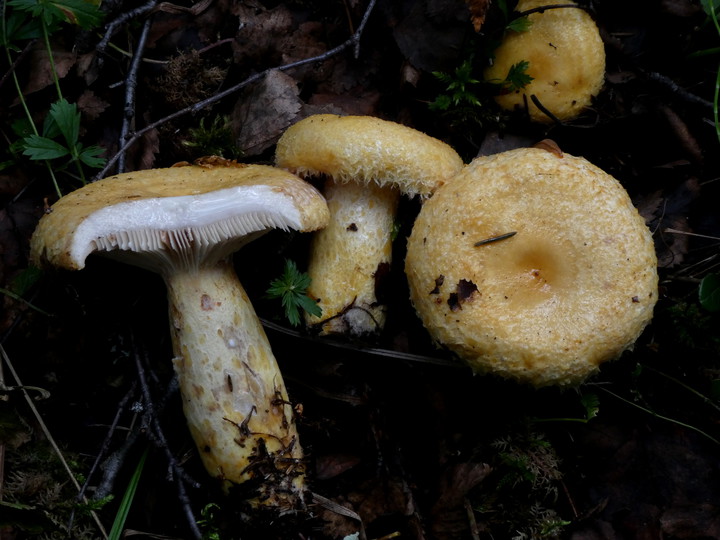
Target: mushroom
566 59
185 222
368 163
533 265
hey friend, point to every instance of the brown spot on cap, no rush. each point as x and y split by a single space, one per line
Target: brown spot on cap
438 283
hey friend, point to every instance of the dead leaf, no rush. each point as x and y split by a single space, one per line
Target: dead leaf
90 105
255 129
40 76
449 514
262 30
478 10
329 466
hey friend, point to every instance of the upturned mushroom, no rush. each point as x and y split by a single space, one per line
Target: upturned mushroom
533 265
185 222
367 163
565 56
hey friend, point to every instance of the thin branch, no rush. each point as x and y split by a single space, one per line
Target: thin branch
130 86
161 442
353 41
112 26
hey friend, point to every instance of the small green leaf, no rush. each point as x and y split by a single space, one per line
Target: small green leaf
709 292
18 27
441 103
25 280
79 12
517 77
67 119
90 156
521 24
591 402
291 288
39 148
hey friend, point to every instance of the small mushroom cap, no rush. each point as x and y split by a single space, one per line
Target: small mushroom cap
159 210
367 149
574 287
566 58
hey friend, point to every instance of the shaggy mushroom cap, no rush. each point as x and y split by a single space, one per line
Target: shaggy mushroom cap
533 265
367 163
566 59
367 150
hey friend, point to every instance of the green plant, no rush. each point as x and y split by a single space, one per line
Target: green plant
59 135
517 77
208 523
291 289
709 292
517 500
711 12
119 523
460 88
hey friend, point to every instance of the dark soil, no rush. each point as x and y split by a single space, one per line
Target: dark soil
397 432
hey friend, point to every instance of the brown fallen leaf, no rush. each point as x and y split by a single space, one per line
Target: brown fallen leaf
449 515
264 112
478 10
90 105
40 76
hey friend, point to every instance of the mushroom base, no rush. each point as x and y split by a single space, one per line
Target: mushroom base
234 397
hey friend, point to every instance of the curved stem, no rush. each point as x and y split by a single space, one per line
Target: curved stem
234 397
51 59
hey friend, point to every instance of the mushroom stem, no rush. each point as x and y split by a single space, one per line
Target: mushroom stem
234 397
351 256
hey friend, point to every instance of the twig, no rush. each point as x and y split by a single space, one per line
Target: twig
675 89
178 474
373 351
17 61
544 109
122 19
353 41
130 86
661 417
493 239
543 9
474 531
106 442
676 231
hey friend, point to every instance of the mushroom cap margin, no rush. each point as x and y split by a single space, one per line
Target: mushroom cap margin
367 149
53 237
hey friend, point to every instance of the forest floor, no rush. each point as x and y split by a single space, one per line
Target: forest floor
402 441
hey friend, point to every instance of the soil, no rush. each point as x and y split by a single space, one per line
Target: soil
401 439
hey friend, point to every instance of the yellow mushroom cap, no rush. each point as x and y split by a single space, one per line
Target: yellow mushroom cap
150 211
367 149
566 59
572 288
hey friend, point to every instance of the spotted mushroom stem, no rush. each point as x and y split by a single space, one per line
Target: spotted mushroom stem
350 258
233 394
